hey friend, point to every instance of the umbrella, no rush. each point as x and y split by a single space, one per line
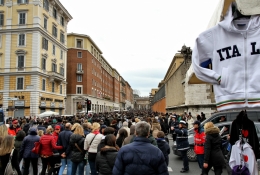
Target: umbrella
48 113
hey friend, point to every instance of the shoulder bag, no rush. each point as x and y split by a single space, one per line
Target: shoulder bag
9 170
37 148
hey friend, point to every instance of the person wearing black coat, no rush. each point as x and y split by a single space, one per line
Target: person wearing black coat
183 144
163 146
106 158
213 156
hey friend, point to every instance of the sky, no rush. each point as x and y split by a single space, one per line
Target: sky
139 38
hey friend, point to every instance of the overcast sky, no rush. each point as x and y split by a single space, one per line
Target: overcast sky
140 37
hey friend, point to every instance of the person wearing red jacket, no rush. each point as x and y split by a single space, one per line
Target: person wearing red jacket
199 140
48 144
14 128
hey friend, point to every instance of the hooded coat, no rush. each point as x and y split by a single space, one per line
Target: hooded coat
165 148
233 50
28 144
212 150
76 154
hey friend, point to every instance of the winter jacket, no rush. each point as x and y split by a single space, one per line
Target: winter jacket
28 144
105 160
182 139
127 140
212 149
64 140
140 158
165 148
125 128
40 127
248 157
190 122
17 146
13 131
76 154
156 126
233 50
48 144
199 141
94 144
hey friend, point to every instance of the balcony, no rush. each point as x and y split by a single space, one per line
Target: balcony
79 71
55 76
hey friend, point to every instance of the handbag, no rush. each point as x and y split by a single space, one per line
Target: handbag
237 170
9 170
36 148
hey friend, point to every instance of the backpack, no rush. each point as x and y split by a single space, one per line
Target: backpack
9 170
237 170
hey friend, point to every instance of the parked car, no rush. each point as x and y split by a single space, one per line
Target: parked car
191 154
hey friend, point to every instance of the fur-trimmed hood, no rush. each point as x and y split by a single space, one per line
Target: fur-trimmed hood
212 130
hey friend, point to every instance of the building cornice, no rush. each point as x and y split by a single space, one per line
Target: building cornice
58 3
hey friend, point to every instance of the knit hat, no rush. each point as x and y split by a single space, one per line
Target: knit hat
15 121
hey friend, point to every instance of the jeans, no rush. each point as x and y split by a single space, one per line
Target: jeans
34 162
78 166
217 170
65 162
185 159
92 168
200 158
87 169
45 162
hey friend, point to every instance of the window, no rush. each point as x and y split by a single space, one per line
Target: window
20 61
1 2
62 21
45 25
54 67
45 43
54 31
46 4
19 84
79 43
92 49
79 89
62 37
22 17
79 54
22 1
60 89
79 66
53 49
43 64
61 54
53 87
1 19
61 70
43 84
21 39
0 41
79 78
54 13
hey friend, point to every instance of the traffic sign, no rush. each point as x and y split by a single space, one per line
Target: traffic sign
10 98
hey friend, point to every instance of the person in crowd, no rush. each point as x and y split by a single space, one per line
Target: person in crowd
128 139
156 127
87 128
183 144
18 143
48 144
23 123
198 117
64 140
190 121
136 158
163 146
163 124
56 154
122 135
6 149
14 128
199 141
77 150
223 119
125 127
174 124
107 131
203 117
40 133
102 128
3 132
91 143
213 156
105 159
114 125
41 127
26 152
60 124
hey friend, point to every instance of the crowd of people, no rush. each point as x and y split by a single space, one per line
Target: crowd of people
107 143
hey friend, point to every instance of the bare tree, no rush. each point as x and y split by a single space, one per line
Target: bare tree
136 92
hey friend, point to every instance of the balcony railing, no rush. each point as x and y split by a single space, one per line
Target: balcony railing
55 76
79 71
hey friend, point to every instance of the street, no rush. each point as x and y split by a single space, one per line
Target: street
175 165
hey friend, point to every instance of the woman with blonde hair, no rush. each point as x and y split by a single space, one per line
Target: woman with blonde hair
6 148
3 132
77 149
91 143
213 156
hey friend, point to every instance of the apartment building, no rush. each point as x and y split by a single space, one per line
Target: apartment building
33 56
90 76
